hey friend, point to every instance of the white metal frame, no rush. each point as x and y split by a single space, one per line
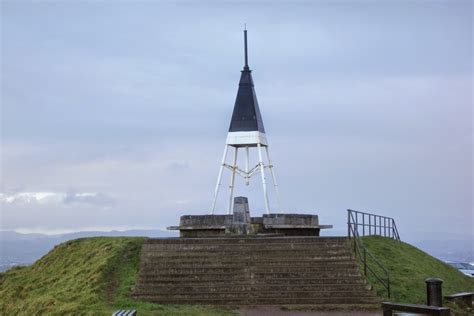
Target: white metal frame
247 173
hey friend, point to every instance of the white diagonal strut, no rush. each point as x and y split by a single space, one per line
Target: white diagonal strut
230 206
219 177
262 172
247 178
275 184
246 175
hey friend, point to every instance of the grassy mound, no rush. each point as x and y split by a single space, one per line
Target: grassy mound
89 276
409 267
94 276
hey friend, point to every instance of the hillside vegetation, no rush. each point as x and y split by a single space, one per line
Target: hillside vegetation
409 267
89 276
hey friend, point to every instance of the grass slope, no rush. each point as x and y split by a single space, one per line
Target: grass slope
89 276
409 267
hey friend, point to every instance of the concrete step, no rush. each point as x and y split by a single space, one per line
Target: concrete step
243 270
166 281
312 274
274 255
299 260
267 254
247 240
256 276
336 262
248 261
218 293
245 243
312 287
242 287
265 301
234 247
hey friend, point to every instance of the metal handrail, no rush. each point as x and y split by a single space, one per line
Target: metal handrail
361 251
372 224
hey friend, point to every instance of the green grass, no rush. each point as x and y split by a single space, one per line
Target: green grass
89 276
409 267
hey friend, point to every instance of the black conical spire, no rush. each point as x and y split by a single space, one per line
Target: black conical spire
246 116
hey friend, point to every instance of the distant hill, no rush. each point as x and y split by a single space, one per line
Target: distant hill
24 249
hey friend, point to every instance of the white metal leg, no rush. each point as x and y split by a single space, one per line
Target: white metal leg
232 180
247 179
262 171
275 184
246 174
219 177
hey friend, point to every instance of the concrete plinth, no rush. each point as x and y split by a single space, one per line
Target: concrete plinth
240 223
270 224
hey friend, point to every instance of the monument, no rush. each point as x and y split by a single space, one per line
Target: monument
234 258
246 132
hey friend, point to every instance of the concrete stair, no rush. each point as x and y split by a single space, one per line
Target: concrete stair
251 271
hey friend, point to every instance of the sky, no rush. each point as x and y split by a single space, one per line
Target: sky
114 114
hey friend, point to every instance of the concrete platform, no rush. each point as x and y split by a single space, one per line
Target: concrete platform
268 224
239 223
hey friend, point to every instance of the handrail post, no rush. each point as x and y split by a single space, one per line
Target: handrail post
349 223
388 228
363 224
388 285
393 229
356 224
370 226
365 262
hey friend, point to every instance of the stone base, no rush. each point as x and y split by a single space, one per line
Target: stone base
268 224
250 270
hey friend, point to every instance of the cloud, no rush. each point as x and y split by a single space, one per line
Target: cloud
31 197
56 198
99 199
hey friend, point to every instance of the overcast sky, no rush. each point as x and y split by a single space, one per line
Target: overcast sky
115 114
